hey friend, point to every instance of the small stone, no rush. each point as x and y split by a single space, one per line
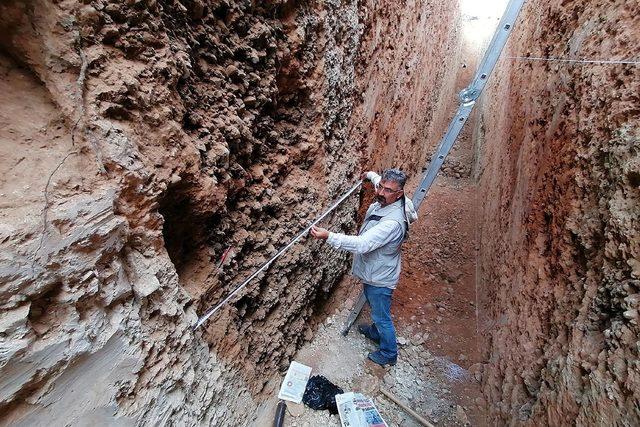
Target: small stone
250 101
295 409
402 341
253 56
417 340
197 9
109 34
461 416
12 319
389 380
476 369
231 70
233 132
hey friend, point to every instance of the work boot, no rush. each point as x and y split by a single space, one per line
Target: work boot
381 360
366 331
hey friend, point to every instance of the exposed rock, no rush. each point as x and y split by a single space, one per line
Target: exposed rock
295 409
417 340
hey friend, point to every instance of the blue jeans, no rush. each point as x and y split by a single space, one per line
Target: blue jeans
379 300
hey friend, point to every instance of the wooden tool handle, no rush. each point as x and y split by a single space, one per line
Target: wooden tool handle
410 411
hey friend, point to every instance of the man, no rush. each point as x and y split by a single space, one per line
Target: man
377 256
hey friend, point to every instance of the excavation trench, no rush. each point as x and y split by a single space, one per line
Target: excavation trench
156 153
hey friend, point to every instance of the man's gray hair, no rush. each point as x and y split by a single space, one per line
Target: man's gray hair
395 175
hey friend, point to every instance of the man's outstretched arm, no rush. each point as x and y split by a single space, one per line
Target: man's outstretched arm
377 236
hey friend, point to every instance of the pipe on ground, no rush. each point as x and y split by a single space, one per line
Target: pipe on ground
280 410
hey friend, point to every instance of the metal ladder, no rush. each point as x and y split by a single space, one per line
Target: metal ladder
467 100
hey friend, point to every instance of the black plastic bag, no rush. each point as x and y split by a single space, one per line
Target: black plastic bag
321 394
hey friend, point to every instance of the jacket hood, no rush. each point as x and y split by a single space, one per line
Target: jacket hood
409 211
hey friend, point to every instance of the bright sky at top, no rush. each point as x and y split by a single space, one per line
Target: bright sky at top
480 18
483 8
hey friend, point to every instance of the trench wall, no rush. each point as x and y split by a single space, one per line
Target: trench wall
143 140
559 172
405 82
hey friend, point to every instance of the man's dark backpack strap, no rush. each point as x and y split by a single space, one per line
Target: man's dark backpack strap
378 218
406 223
370 218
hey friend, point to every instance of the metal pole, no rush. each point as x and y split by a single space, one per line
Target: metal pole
468 96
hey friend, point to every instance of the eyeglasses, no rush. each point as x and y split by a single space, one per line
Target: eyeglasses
388 190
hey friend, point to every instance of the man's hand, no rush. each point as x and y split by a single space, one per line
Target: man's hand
319 233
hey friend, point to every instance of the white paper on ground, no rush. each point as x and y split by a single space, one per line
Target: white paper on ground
295 382
356 410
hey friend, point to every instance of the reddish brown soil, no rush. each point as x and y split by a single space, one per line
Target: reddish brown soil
437 287
559 220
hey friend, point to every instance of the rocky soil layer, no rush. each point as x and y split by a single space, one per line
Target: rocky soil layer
560 219
143 140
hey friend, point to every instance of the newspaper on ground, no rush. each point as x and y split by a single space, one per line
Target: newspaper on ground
295 382
357 410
